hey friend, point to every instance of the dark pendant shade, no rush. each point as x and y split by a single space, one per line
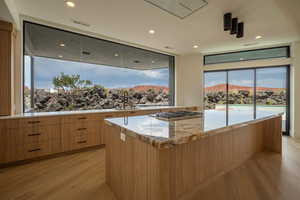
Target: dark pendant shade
240 30
234 26
227 21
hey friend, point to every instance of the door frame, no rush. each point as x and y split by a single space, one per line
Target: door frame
288 90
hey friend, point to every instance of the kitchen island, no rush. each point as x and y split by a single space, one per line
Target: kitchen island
153 159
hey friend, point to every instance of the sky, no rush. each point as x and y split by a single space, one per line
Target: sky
46 69
266 77
114 77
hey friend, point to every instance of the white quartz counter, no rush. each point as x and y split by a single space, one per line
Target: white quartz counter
103 111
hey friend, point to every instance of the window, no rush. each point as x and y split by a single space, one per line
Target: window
235 96
276 52
68 71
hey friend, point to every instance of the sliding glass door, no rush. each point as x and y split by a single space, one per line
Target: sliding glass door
215 98
271 92
240 96
235 96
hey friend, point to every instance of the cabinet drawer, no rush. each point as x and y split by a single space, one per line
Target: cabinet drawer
80 139
39 121
17 137
80 136
80 144
85 139
76 136
42 133
81 118
91 126
35 136
32 150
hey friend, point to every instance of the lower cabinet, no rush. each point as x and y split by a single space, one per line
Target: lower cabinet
30 142
31 138
81 135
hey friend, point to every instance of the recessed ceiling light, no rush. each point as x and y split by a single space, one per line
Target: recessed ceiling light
258 37
70 4
116 55
195 46
60 56
153 61
152 31
62 45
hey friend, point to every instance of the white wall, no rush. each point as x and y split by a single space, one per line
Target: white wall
189 80
4 12
295 90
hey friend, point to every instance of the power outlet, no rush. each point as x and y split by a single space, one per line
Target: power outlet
123 137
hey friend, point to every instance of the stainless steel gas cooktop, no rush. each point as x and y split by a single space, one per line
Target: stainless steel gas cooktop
180 115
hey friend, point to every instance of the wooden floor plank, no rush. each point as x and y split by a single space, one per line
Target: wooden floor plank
81 176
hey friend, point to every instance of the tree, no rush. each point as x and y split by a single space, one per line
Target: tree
70 82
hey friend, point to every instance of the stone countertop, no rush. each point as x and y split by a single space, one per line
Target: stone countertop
103 111
165 134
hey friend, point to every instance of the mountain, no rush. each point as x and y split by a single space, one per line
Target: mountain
222 87
145 88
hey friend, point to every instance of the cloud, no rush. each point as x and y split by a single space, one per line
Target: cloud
107 76
152 74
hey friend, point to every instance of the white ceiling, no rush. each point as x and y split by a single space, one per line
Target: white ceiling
4 12
130 21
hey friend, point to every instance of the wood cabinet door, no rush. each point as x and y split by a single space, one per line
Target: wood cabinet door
13 145
5 68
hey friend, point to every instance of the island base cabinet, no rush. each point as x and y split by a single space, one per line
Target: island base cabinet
132 167
137 170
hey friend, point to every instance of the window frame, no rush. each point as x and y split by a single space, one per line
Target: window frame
288 89
24 22
288 53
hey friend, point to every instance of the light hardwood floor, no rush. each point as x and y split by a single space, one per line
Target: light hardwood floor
82 176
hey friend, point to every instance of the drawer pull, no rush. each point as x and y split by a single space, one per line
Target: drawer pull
81 129
34 122
81 118
33 150
81 142
34 134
